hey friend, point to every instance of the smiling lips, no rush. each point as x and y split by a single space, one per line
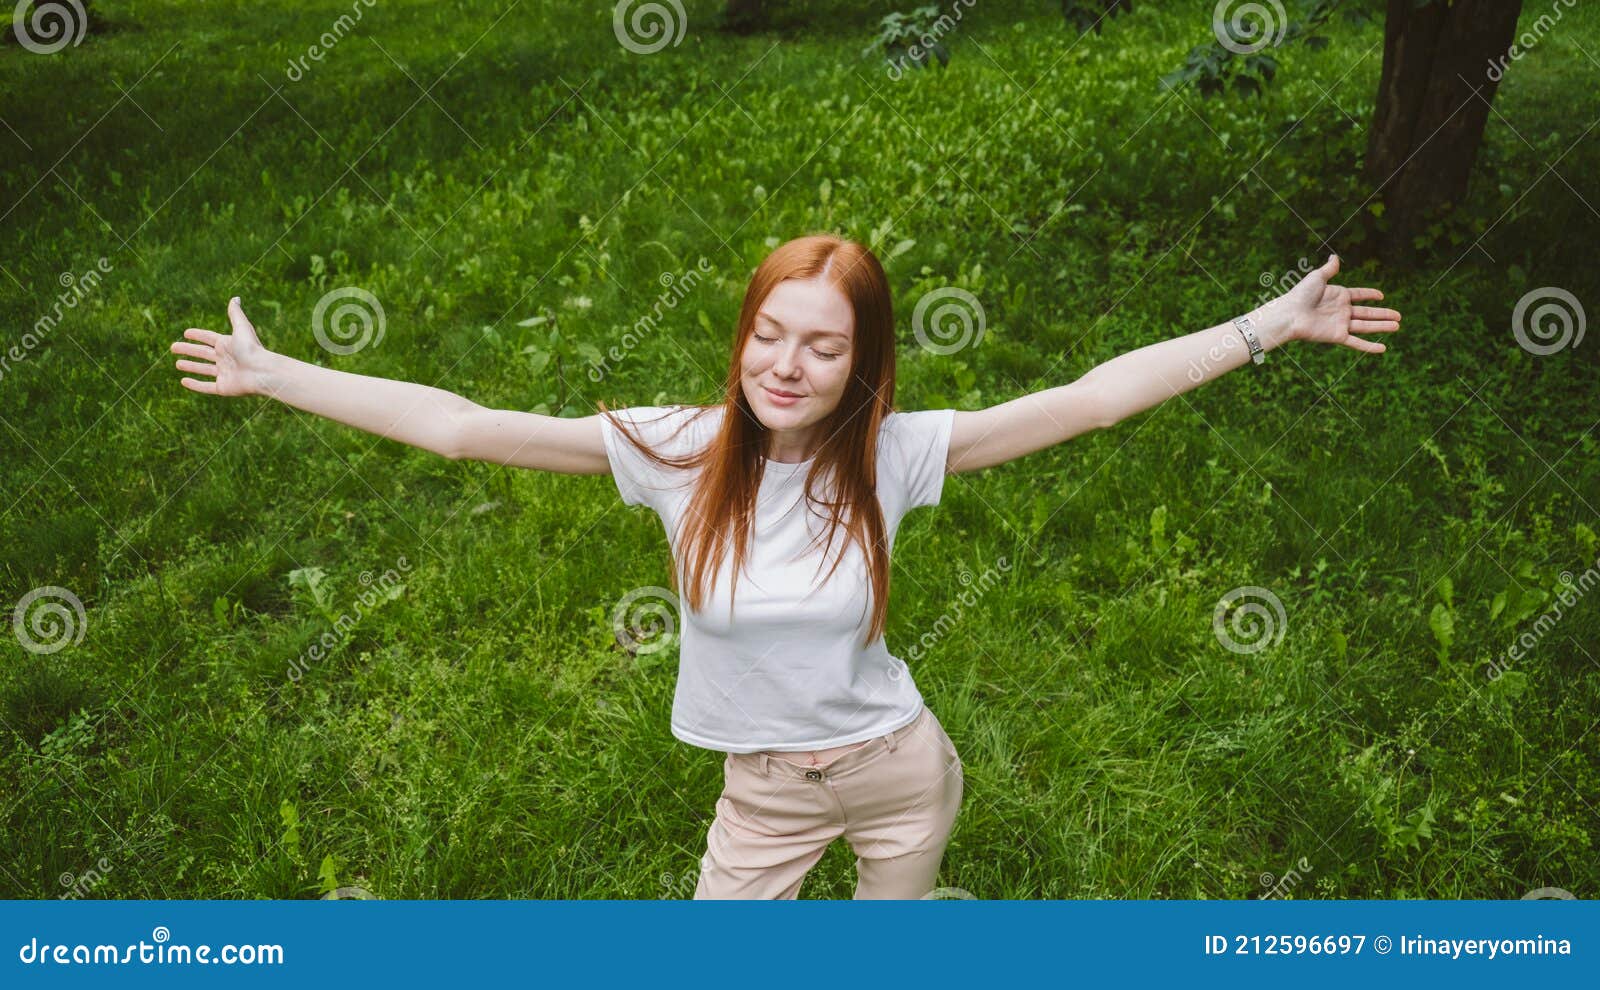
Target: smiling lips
781 398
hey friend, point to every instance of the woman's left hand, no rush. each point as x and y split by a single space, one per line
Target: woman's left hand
1324 313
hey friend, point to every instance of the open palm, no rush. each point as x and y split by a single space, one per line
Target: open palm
1327 314
234 360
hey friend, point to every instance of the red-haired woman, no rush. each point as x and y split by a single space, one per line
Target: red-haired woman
780 504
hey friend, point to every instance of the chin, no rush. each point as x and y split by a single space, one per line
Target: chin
771 416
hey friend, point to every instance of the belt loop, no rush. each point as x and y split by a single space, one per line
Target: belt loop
763 763
893 738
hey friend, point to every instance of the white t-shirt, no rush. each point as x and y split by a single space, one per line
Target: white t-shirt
789 672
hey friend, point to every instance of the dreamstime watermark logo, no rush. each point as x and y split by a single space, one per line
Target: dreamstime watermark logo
49 619
356 316
1549 894
974 588
298 66
956 320
653 25
1275 284
378 589
53 26
83 883
645 620
678 888
1565 600
1527 39
1557 321
1254 614
1274 287
1279 886
160 949
350 894
948 894
1199 369
1246 28
74 290
926 42
674 289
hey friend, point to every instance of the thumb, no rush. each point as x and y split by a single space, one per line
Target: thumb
1330 268
237 319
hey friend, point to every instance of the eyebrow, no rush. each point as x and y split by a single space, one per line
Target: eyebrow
817 333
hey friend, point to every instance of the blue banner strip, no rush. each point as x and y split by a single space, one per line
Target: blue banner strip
807 944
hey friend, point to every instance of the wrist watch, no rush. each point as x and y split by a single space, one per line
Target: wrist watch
1248 329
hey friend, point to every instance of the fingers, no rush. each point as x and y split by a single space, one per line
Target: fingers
1374 313
1364 294
1374 326
203 336
209 388
197 367
194 350
1364 345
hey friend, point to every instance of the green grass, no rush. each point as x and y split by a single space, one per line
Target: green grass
483 735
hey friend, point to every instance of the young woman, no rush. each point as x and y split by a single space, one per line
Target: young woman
780 504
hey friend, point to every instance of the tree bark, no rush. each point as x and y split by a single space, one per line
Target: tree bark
1441 67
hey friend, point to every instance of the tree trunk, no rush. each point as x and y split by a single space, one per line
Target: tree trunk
1441 67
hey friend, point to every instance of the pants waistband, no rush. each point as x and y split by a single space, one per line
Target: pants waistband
888 742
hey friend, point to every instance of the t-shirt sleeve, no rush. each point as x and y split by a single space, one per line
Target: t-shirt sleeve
917 445
640 480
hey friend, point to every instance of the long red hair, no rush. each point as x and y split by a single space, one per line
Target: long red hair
721 509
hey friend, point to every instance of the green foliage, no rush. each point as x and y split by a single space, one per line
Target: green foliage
328 874
1238 56
1211 68
1087 15
289 817
1442 621
41 699
1409 832
311 587
911 36
72 738
553 357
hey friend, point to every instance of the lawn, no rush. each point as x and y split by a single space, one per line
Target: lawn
310 658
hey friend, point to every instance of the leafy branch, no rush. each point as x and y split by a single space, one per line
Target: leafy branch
1083 17
904 37
1241 59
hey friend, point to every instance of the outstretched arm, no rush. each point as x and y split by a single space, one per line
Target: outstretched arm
1130 383
430 418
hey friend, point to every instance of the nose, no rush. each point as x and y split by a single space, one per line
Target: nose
785 365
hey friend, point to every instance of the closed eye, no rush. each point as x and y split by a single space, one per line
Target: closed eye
825 355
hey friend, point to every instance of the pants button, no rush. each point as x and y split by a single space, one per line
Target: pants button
813 774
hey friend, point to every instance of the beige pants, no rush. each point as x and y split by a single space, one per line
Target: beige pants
894 800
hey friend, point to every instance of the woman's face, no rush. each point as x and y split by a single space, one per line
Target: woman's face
801 345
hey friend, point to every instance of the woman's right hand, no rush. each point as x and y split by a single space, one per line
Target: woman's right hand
423 416
236 360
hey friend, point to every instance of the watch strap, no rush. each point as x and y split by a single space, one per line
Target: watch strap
1247 328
